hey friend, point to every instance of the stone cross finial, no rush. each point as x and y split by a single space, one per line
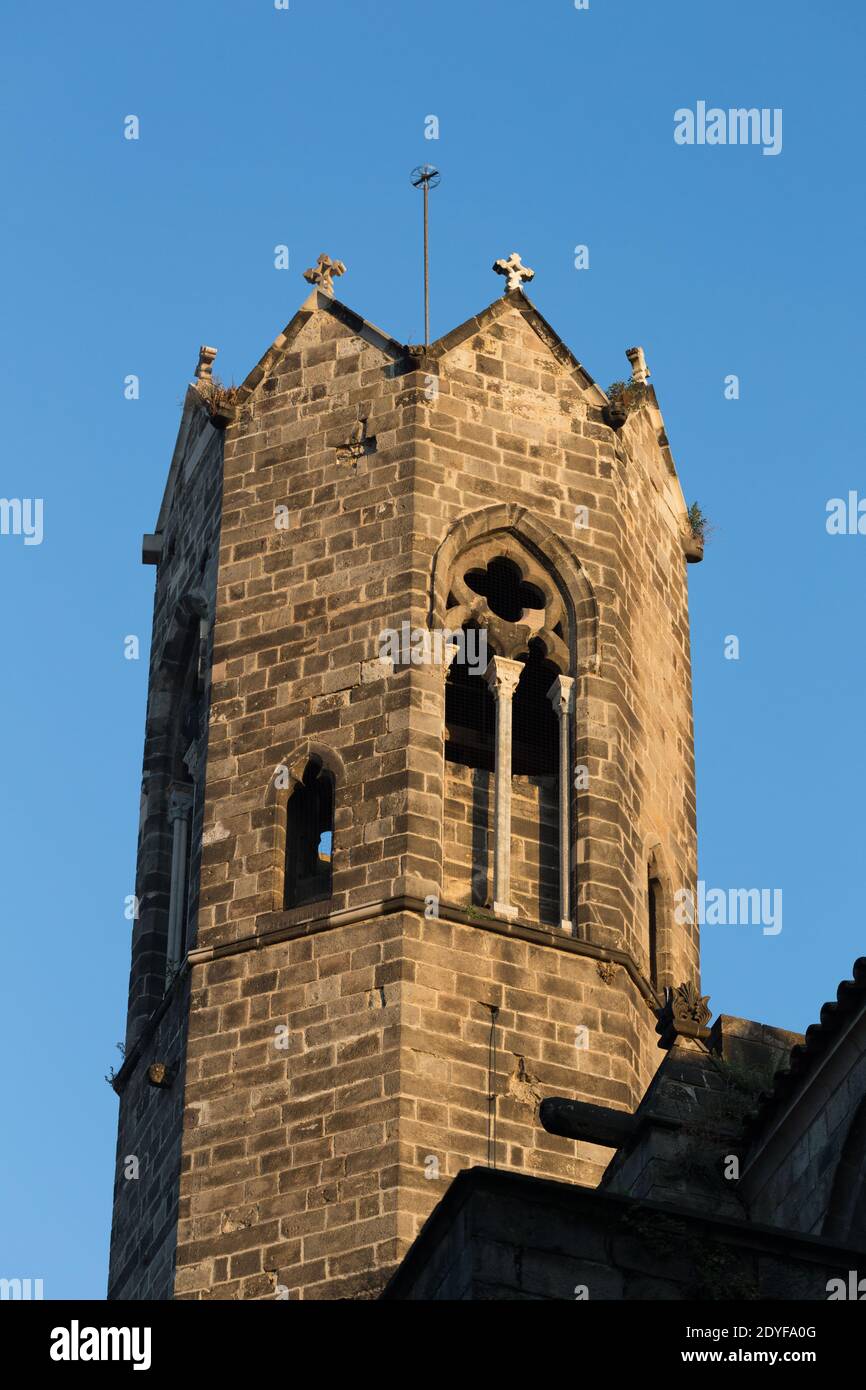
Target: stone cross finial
322 274
515 270
206 358
640 372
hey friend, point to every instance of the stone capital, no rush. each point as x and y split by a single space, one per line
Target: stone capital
192 757
561 694
179 802
502 675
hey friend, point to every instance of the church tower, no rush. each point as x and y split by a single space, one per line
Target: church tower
418 794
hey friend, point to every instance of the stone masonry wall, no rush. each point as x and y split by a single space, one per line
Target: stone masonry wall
149 1127
509 423
790 1185
304 1166
144 1226
188 566
307 1166
499 1237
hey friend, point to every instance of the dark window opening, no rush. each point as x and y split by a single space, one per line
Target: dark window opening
470 718
185 731
535 735
309 838
186 886
654 890
188 709
506 593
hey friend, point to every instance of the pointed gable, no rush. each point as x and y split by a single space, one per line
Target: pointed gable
296 335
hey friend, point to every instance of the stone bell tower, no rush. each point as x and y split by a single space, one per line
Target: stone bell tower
418 792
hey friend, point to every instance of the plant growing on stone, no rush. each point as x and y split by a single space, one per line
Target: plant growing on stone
717 1272
628 394
112 1074
216 396
481 914
699 523
707 1142
743 1084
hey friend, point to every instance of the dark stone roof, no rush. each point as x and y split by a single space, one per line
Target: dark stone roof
498 1234
835 1014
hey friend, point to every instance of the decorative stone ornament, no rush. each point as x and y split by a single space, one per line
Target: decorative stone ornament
206 359
161 1075
640 372
515 271
616 412
685 1013
509 638
322 274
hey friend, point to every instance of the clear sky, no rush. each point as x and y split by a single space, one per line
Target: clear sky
261 127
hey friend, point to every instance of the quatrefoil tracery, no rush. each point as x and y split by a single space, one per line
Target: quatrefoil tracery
510 638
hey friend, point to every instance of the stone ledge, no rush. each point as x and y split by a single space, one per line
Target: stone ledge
273 927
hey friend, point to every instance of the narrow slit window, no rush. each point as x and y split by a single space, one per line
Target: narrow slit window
309 838
654 889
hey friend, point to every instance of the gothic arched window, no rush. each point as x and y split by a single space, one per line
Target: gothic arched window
507 700
512 617
309 837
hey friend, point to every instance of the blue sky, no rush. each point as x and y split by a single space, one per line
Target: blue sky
261 127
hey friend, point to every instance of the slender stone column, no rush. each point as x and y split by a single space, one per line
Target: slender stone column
179 815
502 676
561 696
